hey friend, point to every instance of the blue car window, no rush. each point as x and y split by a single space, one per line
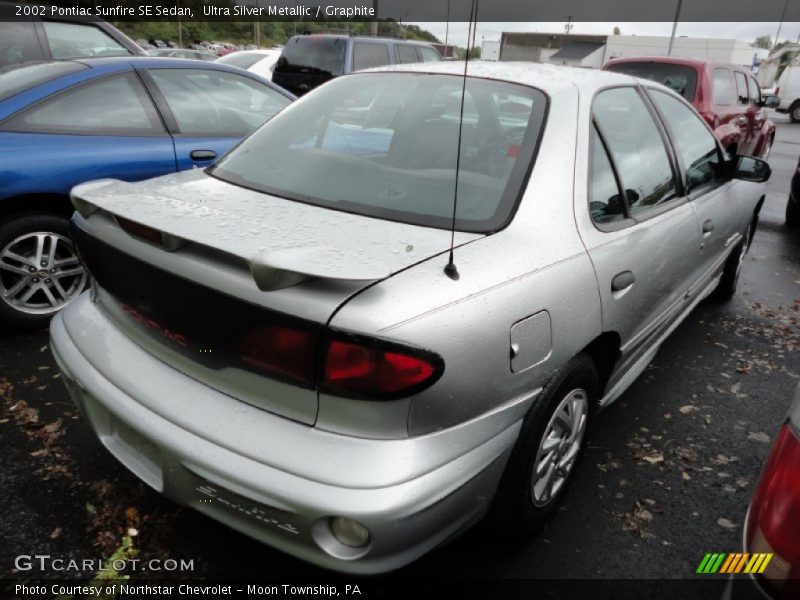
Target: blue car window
18 78
209 102
116 105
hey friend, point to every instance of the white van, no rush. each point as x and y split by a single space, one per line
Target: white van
788 90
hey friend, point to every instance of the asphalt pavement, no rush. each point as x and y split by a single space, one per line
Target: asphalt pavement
667 476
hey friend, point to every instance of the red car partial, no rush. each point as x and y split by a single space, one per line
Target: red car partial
727 96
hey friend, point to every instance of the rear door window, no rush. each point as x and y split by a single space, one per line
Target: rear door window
80 40
116 105
406 54
370 54
742 96
605 200
695 144
208 102
429 54
755 91
723 89
679 78
18 43
637 148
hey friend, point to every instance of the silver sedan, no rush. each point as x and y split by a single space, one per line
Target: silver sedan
398 305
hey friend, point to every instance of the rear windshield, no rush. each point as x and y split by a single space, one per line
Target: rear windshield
14 80
678 78
242 60
312 54
385 145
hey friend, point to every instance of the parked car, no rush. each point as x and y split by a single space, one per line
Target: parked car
726 96
183 53
788 92
773 521
310 60
63 123
283 343
793 203
260 62
43 39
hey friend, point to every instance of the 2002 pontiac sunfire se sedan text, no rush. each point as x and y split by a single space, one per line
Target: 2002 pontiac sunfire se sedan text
276 334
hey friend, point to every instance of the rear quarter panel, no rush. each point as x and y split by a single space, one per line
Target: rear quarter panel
537 263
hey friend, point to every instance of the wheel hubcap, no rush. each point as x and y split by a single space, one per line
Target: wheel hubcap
559 447
40 273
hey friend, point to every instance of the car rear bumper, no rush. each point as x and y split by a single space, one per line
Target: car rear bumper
234 462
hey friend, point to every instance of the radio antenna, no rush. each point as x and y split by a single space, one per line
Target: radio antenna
450 268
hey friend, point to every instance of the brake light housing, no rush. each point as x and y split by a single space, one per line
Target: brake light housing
339 363
370 368
773 524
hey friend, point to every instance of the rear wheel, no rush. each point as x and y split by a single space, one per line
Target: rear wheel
549 447
792 213
733 268
40 272
794 112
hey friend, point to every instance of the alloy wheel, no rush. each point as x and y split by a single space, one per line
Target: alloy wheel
40 273
559 447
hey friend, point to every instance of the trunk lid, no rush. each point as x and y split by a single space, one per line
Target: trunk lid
232 263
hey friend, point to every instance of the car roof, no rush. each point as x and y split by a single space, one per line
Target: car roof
362 38
697 63
548 78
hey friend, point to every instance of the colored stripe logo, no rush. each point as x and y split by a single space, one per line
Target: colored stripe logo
722 563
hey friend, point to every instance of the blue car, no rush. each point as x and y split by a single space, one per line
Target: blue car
130 118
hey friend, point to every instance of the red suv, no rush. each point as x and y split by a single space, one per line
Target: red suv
725 95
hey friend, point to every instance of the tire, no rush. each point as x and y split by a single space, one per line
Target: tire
32 290
729 281
794 112
522 503
792 213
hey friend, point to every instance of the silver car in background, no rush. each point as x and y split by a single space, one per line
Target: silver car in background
279 342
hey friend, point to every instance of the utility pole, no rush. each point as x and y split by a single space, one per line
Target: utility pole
780 25
674 27
375 18
447 28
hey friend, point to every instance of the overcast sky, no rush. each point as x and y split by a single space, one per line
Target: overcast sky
457 33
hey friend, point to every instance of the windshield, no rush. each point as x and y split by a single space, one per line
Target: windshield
313 54
243 60
678 78
385 145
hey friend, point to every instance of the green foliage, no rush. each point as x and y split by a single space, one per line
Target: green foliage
763 41
271 32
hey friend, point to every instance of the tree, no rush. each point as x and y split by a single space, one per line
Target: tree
763 41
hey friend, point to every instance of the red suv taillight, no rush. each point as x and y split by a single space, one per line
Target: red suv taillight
350 365
774 521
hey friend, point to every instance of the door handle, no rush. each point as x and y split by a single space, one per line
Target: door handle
203 154
622 281
708 227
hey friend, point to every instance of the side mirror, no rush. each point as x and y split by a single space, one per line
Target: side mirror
770 102
749 168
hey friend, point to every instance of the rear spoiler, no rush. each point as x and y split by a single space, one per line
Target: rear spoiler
271 271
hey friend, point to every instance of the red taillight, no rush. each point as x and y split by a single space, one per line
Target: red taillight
372 369
141 231
774 521
283 352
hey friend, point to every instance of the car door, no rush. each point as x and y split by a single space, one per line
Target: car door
713 196
744 117
208 111
644 243
103 128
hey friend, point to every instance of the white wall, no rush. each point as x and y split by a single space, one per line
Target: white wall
490 50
